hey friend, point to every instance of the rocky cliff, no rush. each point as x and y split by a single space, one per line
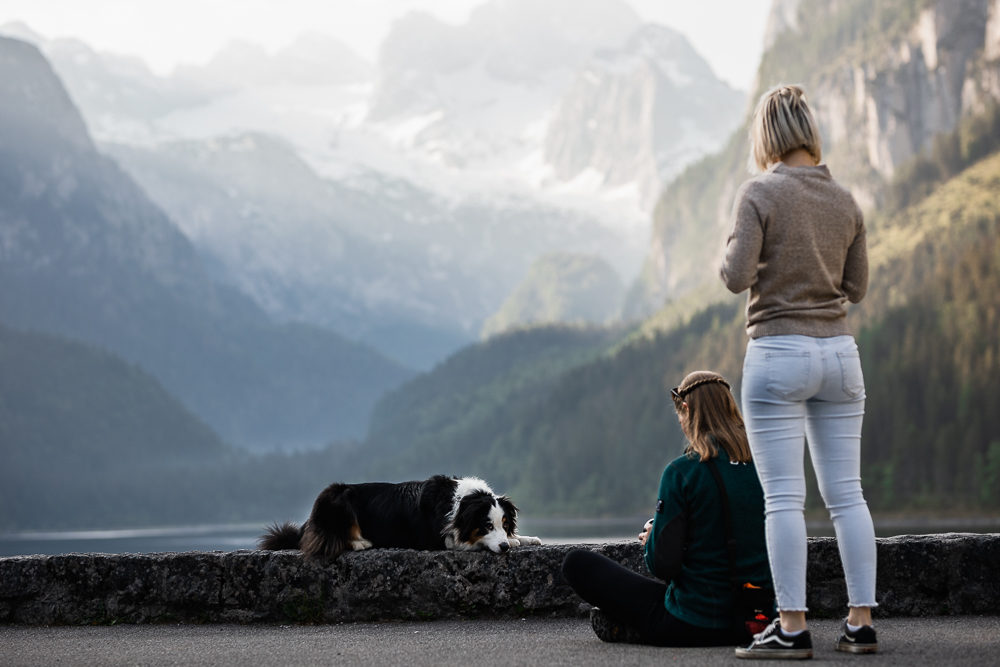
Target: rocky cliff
884 81
641 113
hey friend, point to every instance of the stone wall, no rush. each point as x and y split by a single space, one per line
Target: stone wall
924 575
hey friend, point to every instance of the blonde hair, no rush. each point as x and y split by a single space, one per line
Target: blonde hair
781 123
713 417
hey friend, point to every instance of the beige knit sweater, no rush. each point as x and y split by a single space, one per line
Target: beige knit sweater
798 244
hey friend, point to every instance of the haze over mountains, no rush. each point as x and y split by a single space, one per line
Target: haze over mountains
239 227
87 255
458 159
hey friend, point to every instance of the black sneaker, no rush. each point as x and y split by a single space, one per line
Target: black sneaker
862 641
773 644
611 630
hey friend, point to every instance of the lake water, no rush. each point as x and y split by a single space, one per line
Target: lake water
230 537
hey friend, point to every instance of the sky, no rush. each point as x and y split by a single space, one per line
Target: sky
728 33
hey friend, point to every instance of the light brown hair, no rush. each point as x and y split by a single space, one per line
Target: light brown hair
781 123
712 412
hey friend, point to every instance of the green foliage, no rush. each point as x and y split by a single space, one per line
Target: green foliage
932 362
832 33
446 421
951 153
568 431
592 437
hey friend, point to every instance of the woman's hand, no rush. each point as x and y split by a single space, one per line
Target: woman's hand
646 530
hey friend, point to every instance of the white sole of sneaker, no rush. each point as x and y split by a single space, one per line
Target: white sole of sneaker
856 648
774 654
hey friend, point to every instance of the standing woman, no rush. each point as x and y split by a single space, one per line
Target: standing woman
798 244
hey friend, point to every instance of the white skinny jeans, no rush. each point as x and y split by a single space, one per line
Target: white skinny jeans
798 386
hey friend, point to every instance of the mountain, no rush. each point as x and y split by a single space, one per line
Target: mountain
424 62
457 418
88 440
380 260
119 94
123 100
641 113
590 437
86 255
884 79
76 419
313 59
561 287
72 406
371 233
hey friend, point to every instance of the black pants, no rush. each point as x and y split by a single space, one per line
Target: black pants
637 601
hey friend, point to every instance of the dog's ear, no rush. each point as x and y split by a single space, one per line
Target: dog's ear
472 510
509 514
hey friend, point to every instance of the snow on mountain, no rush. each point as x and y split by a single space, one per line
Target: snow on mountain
376 259
438 183
641 114
485 87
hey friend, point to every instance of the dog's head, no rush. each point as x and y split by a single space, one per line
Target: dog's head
483 520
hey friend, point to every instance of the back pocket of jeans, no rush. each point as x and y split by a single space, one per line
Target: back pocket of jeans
850 368
788 374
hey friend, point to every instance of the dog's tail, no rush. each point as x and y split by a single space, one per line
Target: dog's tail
279 537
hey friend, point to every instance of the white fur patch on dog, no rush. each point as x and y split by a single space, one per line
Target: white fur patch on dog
465 486
493 539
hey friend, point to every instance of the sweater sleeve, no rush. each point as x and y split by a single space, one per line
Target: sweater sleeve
855 281
664 552
739 268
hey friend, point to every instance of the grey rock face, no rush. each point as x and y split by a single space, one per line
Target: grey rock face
922 575
877 108
642 113
514 41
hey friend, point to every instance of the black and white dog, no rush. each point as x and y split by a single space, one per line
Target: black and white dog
438 513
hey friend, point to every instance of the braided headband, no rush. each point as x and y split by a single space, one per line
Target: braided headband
695 385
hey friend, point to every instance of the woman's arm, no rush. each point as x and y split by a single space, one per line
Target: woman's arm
854 284
664 546
665 551
739 268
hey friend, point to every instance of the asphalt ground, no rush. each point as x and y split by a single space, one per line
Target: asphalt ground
952 640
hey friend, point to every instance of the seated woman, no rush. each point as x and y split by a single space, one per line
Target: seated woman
685 542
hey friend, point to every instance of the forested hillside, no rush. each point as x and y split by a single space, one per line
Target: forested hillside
458 417
595 439
88 440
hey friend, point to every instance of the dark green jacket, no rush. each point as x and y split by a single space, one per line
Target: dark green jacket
687 546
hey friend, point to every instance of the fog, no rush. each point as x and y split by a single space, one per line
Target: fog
252 222
728 33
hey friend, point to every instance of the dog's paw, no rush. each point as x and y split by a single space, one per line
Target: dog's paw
361 545
524 541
